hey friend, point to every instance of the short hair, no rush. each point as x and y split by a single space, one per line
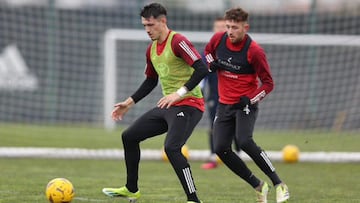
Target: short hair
237 15
153 10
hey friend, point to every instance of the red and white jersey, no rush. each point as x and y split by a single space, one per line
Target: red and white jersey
245 65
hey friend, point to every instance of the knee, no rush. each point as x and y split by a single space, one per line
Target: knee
127 136
246 144
170 150
221 150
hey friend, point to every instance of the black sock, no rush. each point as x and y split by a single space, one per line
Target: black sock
183 171
262 161
186 179
238 166
132 158
274 178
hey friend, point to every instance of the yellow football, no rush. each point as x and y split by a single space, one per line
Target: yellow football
60 190
291 153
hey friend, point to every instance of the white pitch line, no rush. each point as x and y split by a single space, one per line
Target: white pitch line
89 200
152 154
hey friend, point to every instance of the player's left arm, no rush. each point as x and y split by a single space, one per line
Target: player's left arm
258 60
184 49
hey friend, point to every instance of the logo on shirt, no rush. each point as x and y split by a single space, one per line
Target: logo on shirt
228 65
163 70
181 114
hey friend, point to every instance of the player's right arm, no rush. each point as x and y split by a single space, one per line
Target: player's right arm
145 88
121 108
210 48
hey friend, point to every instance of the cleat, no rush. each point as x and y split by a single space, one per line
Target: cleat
262 195
122 192
209 165
282 193
194 202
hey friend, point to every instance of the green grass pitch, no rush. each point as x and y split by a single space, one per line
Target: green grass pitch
24 180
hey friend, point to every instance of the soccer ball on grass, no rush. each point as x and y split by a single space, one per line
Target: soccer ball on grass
60 190
291 153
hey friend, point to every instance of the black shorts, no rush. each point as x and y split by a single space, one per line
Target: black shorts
230 122
178 121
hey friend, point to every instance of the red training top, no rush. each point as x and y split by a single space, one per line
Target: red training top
234 85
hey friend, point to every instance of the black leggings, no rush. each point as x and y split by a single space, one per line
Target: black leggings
179 122
239 122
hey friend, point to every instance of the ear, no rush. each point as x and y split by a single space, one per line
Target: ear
247 26
163 20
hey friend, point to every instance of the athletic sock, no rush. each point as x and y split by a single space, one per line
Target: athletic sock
274 178
132 158
238 166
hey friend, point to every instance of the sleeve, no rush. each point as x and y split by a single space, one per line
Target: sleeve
257 59
150 81
184 49
149 68
145 88
200 72
210 48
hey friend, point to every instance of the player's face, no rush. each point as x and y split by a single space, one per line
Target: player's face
236 30
154 27
219 26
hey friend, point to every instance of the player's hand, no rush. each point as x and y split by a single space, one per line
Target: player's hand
244 100
214 66
121 109
168 100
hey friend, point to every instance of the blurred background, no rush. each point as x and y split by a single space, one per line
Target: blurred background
52 59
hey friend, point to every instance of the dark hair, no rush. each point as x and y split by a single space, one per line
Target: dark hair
153 10
237 15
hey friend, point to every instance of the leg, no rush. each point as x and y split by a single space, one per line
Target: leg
180 128
244 132
148 125
212 103
236 146
211 162
224 128
244 135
